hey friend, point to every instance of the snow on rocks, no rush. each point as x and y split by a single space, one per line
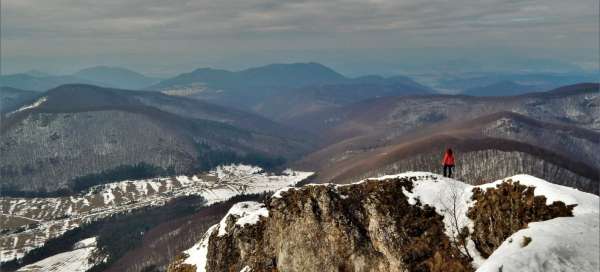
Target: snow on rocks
248 212
197 255
559 244
244 213
586 202
548 248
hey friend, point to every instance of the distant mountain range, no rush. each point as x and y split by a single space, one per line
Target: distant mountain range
550 134
114 77
502 88
343 128
248 89
244 89
506 84
29 82
297 102
269 76
272 89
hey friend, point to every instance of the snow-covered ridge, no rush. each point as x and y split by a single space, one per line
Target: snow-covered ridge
46 218
35 104
439 192
560 244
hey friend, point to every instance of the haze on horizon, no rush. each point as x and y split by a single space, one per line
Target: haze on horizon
354 37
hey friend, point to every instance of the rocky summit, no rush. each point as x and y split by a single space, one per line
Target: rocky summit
409 222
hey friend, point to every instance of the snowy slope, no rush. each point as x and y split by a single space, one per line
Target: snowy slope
79 259
548 250
560 244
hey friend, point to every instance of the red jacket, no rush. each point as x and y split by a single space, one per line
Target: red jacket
448 159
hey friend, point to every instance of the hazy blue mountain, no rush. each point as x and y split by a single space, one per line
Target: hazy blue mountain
541 81
26 81
116 76
37 73
502 88
113 77
255 88
268 77
323 97
297 74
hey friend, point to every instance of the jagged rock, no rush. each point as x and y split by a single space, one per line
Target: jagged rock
499 212
409 222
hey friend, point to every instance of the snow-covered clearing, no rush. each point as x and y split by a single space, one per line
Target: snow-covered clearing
54 216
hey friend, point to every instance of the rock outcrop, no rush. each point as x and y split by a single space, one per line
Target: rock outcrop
409 222
369 226
499 212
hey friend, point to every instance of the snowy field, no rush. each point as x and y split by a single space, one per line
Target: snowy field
561 244
79 259
43 218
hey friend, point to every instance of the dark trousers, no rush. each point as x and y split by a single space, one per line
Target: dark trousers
448 170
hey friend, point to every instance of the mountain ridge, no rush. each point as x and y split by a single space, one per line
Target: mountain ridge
120 127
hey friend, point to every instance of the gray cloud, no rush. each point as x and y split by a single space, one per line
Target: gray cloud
218 29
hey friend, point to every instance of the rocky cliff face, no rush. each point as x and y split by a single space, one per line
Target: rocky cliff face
412 222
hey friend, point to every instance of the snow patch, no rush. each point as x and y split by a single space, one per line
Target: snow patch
278 193
560 244
244 213
89 242
77 260
585 202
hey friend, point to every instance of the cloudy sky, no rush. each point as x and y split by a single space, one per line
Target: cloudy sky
353 36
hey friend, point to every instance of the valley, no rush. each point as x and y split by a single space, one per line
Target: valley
29 222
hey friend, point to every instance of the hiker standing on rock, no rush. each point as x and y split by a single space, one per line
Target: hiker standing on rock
448 163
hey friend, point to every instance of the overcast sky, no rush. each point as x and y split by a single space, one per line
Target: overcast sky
353 36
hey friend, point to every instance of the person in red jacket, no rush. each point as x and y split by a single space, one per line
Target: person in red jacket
448 163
